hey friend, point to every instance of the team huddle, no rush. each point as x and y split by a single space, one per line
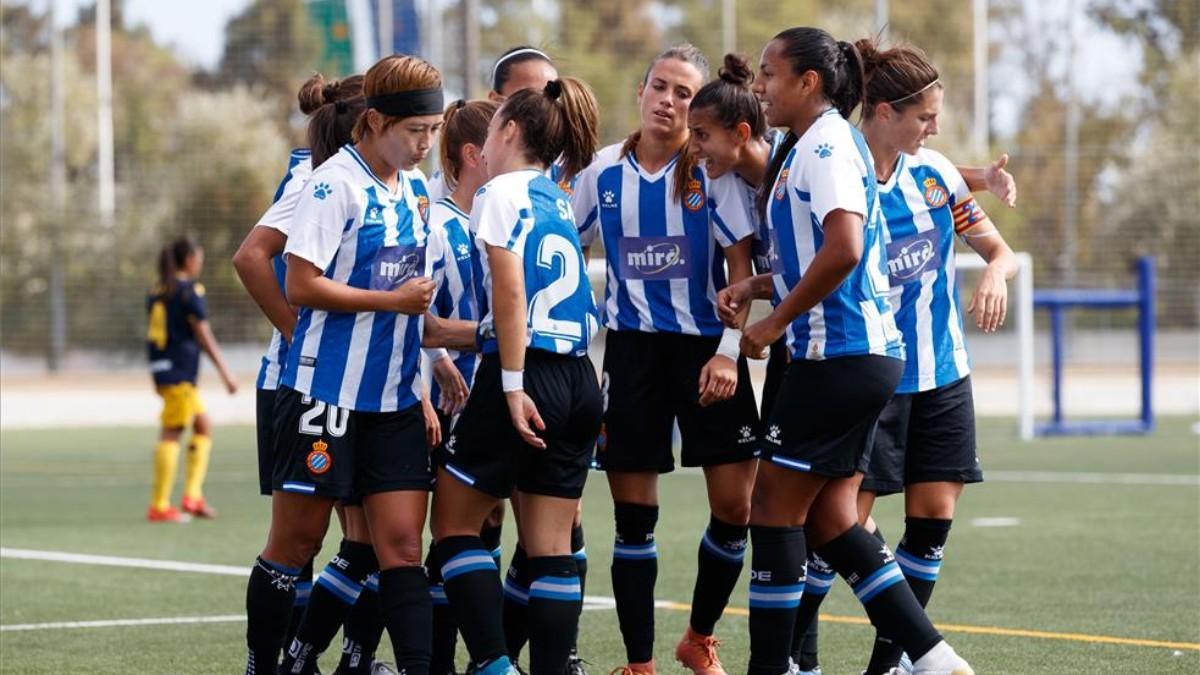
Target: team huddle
732 189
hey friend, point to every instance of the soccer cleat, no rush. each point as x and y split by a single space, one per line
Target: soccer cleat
575 664
698 653
382 668
646 668
167 515
905 667
198 508
941 660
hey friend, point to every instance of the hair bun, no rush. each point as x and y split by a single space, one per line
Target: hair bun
312 94
553 89
736 71
869 51
329 93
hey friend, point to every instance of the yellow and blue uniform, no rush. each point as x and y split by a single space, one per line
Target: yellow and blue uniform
173 350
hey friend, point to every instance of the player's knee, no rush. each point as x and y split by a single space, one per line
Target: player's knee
398 549
496 517
734 511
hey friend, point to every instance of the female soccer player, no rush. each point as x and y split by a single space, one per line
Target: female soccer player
925 442
348 416
178 330
538 318
830 296
667 235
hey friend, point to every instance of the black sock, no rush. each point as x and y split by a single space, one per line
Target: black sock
920 558
722 549
490 536
634 573
555 600
579 553
405 604
270 594
334 593
473 589
363 629
818 580
871 570
776 585
304 585
445 631
516 603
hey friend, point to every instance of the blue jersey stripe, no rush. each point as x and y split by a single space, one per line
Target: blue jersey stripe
611 181
370 388
652 222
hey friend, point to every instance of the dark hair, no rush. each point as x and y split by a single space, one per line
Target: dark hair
731 96
898 76
502 70
392 75
171 258
463 122
840 67
560 120
334 106
687 156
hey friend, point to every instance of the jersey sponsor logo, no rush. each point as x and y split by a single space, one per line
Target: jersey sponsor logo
693 198
423 207
936 195
781 185
393 265
319 460
823 150
909 257
654 257
322 190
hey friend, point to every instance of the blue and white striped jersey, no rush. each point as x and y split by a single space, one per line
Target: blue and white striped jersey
924 203
763 255
279 217
831 168
455 297
361 234
664 259
528 214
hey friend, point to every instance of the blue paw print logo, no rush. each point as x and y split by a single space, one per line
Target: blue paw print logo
322 190
823 150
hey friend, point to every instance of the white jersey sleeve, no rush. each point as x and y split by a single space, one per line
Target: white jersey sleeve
496 221
279 216
729 205
835 180
324 206
585 202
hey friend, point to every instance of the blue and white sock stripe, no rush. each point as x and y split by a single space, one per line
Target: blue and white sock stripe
438 593
515 592
643 552
918 568
566 589
882 579
303 591
467 562
302 488
497 554
776 597
581 554
818 582
728 553
343 588
372 582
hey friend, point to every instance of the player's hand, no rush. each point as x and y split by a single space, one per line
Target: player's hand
433 427
989 304
454 387
230 384
758 337
731 300
1000 182
525 418
718 380
413 296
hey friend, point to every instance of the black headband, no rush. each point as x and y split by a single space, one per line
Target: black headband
409 103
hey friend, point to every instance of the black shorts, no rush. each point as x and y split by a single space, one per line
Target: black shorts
824 417
484 450
345 454
264 421
777 364
925 437
652 380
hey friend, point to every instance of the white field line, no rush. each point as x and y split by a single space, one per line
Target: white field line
59 625
1092 478
114 561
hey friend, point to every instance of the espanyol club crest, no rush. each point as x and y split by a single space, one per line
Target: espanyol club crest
423 207
781 185
565 186
935 195
693 199
318 461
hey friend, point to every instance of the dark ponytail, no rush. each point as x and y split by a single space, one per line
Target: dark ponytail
171 259
849 90
729 99
560 120
463 122
334 106
838 63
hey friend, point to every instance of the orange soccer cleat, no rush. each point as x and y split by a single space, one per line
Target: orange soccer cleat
698 653
167 515
646 668
198 508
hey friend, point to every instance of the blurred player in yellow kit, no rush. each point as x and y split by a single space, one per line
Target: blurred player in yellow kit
178 330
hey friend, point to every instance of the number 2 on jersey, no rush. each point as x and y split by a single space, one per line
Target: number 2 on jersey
552 247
